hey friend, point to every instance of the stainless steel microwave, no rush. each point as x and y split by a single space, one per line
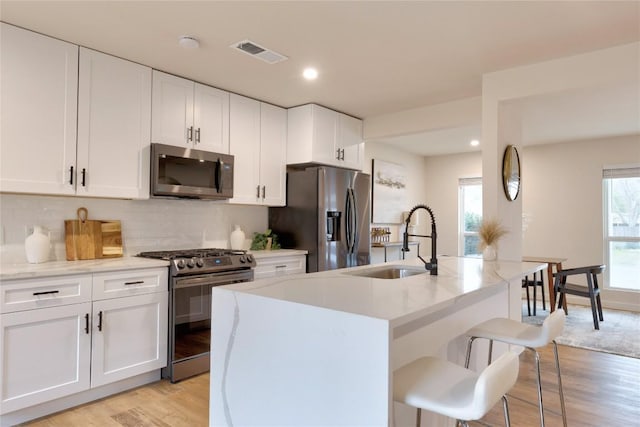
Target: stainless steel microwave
189 173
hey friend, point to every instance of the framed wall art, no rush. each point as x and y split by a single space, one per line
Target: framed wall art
389 189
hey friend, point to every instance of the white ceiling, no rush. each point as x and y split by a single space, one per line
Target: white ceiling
373 57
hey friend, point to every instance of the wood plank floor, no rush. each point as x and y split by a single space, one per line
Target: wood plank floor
600 390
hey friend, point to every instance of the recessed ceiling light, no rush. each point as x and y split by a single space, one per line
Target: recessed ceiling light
310 73
188 42
474 142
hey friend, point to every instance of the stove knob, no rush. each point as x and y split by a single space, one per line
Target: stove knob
249 258
200 262
180 264
242 259
191 263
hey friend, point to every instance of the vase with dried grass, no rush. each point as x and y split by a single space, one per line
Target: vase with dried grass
490 232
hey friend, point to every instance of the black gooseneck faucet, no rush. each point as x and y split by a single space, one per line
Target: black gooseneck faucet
432 266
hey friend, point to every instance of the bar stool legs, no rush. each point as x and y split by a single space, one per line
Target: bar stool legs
513 332
564 412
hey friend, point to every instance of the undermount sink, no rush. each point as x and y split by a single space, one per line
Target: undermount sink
390 272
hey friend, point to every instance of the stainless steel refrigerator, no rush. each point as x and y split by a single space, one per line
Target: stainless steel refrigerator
328 212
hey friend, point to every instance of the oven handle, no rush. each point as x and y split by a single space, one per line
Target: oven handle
215 279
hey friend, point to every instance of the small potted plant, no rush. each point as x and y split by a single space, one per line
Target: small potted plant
265 241
490 232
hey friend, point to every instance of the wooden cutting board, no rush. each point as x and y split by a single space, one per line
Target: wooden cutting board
111 239
91 239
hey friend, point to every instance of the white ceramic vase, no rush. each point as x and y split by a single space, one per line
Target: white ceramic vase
237 238
490 253
37 246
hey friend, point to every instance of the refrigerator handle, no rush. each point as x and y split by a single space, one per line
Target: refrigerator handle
354 219
350 220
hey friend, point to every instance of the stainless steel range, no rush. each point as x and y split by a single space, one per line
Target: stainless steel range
192 274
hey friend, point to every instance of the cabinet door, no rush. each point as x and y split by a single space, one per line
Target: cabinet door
129 337
44 355
114 121
273 154
349 139
211 119
172 110
39 80
324 135
245 147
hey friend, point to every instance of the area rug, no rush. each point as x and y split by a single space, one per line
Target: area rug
619 332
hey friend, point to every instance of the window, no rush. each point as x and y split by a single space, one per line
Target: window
621 190
470 215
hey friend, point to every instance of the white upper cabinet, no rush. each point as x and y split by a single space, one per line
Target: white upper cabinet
189 114
211 119
349 141
39 80
258 138
72 126
273 154
114 117
319 135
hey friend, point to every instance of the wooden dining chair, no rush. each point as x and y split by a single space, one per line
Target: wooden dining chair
591 290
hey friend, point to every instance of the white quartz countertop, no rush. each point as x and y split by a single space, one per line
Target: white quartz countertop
61 268
277 253
396 300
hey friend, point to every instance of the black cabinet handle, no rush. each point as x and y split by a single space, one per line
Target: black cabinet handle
198 136
257 191
190 133
100 321
86 323
137 282
264 191
84 177
45 293
71 175
338 154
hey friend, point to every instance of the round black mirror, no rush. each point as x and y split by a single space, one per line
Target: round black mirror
511 173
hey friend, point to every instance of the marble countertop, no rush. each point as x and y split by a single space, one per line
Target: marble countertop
396 300
61 268
277 253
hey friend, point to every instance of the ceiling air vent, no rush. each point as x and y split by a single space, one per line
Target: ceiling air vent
257 51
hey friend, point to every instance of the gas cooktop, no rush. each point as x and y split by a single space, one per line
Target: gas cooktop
203 260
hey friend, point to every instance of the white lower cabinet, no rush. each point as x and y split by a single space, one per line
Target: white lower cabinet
45 354
278 265
55 341
129 337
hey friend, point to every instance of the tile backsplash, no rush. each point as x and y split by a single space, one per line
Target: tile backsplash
154 224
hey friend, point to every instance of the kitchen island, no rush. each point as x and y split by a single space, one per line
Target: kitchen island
320 349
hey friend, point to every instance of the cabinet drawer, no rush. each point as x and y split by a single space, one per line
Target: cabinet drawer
280 266
19 295
130 282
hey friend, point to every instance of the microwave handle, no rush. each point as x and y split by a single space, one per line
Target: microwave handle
219 167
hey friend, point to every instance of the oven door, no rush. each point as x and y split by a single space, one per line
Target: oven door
190 322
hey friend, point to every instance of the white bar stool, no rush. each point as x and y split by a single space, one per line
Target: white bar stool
451 390
528 336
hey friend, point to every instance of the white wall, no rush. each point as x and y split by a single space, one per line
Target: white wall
155 224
